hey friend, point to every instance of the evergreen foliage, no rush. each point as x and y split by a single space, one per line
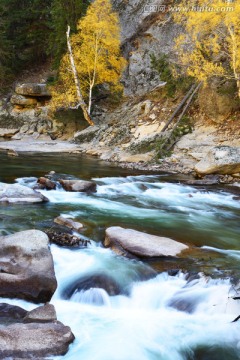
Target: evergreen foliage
32 30
24 28
63 13
170 74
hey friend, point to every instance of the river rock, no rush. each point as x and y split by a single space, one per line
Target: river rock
45 183
32 335
15 193
206 181
128 241
64 239
70 223
220 160
10 314
26 264
23 100
93 281
32 89
41 314
78 185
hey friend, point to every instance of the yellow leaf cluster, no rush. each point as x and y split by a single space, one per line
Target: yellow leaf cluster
211 44
96 51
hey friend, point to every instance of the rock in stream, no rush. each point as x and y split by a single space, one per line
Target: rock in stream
32 335
26 266
131 242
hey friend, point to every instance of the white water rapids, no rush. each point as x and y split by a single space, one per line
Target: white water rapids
180 317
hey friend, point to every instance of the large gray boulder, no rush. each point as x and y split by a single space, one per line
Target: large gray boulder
15 193
32 89
220 160
26 264
128 241
78 185
32 335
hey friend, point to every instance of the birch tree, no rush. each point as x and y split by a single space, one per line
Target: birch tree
93 58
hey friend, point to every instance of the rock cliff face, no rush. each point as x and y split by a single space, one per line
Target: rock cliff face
146 29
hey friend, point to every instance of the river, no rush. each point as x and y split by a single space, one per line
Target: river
173 309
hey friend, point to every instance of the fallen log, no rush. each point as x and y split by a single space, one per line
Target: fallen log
179 107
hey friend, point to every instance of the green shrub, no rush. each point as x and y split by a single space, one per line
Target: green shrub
168 73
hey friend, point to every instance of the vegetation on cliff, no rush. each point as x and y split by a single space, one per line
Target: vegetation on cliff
210 45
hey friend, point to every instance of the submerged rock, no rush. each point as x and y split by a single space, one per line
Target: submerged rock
78 185
93 281
220 160
34 334
15 193
128 241
26 266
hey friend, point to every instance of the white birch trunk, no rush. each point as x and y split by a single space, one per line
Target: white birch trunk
82 103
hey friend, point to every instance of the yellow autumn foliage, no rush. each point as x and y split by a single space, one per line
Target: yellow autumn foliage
211 44
97 56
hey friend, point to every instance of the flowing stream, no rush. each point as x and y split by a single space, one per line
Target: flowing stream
173 309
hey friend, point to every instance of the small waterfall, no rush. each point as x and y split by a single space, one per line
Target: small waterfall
92 296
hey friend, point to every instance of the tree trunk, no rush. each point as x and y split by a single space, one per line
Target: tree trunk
238 87
179 107
90 100
77 82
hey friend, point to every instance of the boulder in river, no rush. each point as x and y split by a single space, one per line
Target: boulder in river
70 223
15 193
220 160
45 183
93 281
65 239
78 185
32 335
131 242
26 266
